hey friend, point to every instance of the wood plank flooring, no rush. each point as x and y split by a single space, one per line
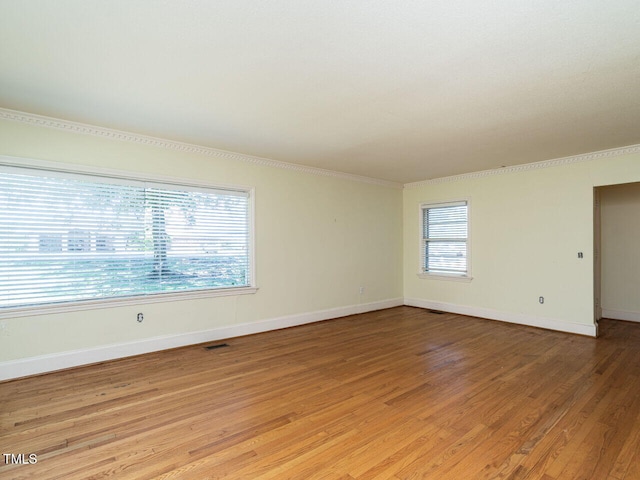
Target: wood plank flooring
395 394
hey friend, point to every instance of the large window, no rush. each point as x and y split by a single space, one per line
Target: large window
78 238
444 239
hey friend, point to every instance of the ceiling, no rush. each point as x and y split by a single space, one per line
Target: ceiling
401 91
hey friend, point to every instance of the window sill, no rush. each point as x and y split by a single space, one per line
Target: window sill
123 302
442 276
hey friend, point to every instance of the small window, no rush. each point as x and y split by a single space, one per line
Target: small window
69 238
444 239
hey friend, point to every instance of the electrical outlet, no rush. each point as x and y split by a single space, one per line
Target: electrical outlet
140 317
361 290
541 300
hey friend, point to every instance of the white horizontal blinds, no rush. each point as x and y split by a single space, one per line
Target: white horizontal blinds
199 240
445 238
74 237
55 235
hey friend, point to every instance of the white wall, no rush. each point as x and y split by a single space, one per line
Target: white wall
527 228
318 239
620 236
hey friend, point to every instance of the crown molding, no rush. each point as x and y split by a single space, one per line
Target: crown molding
103 132
585 157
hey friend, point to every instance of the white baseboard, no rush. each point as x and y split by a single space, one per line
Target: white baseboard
48 363
58 361
621 315
519 318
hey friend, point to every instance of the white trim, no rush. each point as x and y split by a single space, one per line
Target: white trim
613 152
518 318
621 315
456 203
75 306
48 363
144 177
102 132
442 276
253 279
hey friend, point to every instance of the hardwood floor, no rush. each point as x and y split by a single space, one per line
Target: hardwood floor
394 394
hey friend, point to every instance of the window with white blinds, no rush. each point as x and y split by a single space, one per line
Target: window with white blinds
444 239
74 237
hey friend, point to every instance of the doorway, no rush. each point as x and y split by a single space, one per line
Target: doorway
617 252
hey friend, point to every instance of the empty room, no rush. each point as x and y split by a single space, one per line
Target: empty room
350 240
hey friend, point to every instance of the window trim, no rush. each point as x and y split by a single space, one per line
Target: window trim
163 181
440 275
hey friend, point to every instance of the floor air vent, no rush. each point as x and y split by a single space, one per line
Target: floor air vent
437 312
217 345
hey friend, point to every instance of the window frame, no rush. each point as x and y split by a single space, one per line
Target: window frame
466 277
163 181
